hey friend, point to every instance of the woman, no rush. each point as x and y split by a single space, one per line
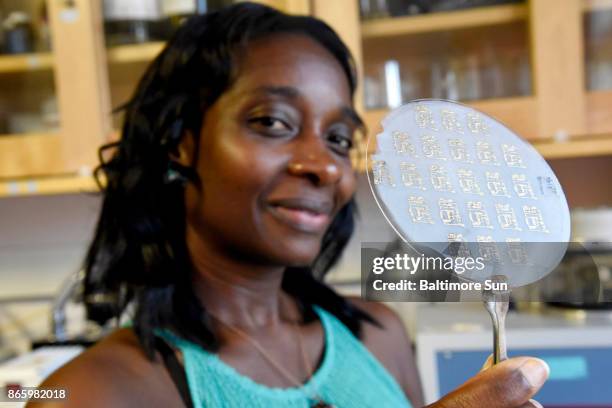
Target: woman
229 197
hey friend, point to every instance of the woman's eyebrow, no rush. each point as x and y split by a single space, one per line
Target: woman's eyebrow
292 93
352 115
284 91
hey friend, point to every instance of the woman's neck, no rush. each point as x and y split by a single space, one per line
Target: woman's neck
239 292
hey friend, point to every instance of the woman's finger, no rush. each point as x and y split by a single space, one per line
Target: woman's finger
532 404
509 384
488 363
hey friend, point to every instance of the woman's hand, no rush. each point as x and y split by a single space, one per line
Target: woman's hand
509 384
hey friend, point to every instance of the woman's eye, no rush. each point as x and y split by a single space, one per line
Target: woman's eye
341 142
270 124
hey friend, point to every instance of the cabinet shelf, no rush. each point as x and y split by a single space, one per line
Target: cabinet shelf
442 21
70 184
16 136
124 54
574 148
513 112
25 62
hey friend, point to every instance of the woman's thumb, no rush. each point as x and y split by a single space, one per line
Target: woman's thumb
488 363
509 384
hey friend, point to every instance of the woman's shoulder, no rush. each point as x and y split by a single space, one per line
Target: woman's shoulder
389 328
390 343
115 372
386 336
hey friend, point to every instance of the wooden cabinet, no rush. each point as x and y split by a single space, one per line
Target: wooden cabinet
126 63
542 67
553 83
524 63
80 80
52 96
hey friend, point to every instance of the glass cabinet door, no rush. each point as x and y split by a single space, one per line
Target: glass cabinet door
64 66
135 31
51 107
598 45
28 98
459 50
597 38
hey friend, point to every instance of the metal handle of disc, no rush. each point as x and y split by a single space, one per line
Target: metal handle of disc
497 304
499 331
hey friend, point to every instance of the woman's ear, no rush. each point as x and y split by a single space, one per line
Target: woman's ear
185 153
182 163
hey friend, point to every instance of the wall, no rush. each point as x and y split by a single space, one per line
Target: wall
43 240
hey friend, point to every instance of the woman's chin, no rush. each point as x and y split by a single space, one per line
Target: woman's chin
298 255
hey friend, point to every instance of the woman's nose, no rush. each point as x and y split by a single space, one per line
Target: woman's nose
319 167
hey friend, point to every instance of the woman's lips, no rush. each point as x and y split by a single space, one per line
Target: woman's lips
302 219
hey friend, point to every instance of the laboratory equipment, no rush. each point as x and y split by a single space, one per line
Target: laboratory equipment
452 341
449 177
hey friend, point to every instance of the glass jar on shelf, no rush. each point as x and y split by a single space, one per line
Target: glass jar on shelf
371 9
466 73
374 87
415 78
598 49
18 33
175 12
467 63
28 98
131 21
396 8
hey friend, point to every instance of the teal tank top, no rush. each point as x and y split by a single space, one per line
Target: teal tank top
349 377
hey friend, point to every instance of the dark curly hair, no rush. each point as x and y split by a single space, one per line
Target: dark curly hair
139 254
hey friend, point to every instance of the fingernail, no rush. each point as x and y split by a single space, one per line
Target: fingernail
535 404
487 362
536 371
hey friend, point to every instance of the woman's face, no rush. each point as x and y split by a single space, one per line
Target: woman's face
273 155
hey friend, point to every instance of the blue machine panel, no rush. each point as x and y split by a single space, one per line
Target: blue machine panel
578 377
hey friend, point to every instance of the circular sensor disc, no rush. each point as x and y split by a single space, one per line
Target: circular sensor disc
448 176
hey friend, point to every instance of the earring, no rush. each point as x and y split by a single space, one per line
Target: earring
174 174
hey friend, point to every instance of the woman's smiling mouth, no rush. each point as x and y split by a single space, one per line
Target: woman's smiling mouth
306 215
